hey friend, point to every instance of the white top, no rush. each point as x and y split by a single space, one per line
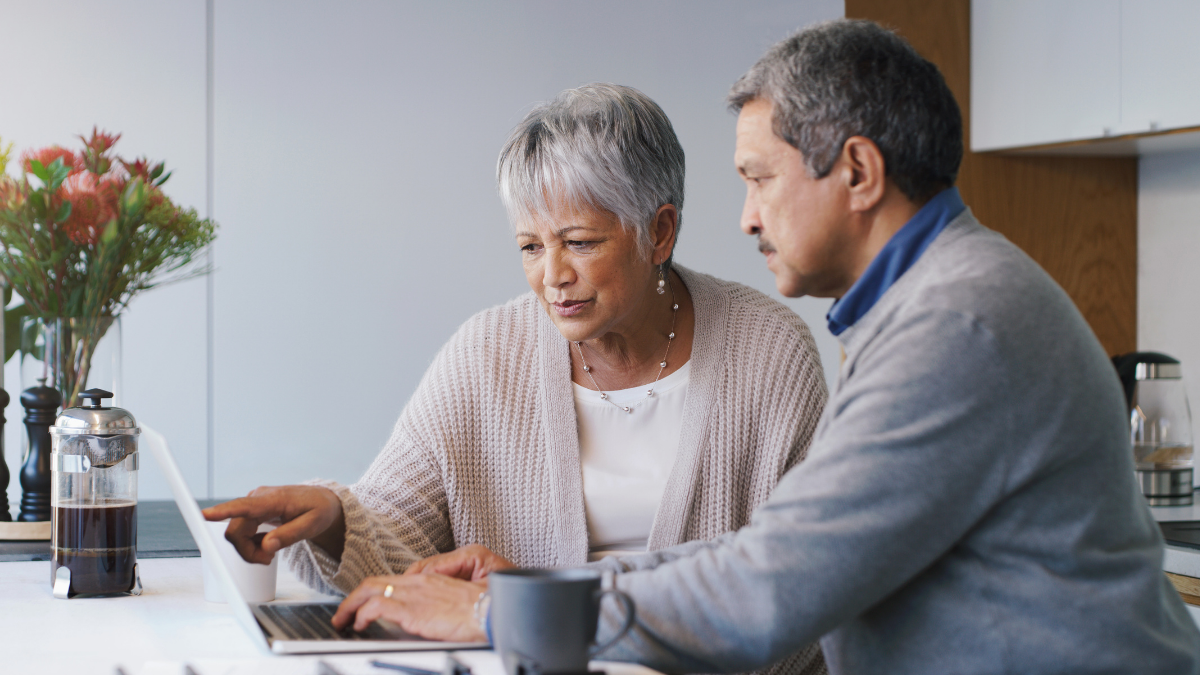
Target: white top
626 459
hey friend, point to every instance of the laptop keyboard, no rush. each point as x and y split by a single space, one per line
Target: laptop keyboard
313 622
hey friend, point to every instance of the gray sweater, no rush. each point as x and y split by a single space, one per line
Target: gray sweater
968 504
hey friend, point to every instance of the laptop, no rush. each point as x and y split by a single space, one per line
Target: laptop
284 627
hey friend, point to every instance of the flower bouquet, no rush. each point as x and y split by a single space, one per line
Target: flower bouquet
81 233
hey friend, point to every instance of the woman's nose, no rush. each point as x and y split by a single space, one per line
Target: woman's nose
557 272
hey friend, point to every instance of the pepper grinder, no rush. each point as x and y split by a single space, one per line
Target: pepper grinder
5 476
41 409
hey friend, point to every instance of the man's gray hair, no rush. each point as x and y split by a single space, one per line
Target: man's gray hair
601 146
847 78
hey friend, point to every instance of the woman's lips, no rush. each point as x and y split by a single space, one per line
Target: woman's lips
569 307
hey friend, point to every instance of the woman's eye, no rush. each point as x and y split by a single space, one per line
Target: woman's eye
530 249
581 245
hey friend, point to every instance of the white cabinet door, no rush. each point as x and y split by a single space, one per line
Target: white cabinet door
1160 65
1044 71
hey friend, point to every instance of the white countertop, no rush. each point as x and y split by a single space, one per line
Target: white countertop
1178 559
170 621
168 626
171 624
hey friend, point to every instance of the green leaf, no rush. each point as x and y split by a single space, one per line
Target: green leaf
39 171
58 172
12 330
134 197
64 212
73 298
110 232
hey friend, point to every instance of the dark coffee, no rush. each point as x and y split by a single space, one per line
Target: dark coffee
98 543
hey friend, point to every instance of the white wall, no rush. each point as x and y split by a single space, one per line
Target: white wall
135 67
354 146
1168 273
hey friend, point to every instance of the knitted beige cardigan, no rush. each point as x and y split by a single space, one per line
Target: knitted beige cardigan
487 450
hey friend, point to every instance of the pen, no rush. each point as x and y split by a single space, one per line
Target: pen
324 668
405 669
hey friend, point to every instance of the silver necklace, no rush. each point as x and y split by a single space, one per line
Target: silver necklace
662 365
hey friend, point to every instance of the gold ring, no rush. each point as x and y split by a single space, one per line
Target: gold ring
387 592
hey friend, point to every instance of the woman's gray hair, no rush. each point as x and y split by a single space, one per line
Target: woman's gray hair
602 146
848 78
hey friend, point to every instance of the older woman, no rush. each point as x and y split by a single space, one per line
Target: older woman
624 404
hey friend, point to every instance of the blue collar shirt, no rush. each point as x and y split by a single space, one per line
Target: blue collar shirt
900 253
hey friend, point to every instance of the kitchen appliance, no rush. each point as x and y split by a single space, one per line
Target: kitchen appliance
94 465
1160 426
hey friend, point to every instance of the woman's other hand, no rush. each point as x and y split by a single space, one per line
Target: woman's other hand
301 511
430 605
469 563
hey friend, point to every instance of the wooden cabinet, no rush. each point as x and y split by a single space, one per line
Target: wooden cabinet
1076 216
1053 72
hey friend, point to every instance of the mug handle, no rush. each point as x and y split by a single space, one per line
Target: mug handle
630 616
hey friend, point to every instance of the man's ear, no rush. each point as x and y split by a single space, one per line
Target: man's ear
665 230
866 173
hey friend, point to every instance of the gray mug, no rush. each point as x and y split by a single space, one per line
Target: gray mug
543 621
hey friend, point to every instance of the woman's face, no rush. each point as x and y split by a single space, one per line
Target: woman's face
587 271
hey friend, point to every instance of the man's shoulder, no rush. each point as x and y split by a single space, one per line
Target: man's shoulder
977 296
975 271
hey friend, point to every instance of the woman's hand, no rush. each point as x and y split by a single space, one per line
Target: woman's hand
430 605
469 563
302 512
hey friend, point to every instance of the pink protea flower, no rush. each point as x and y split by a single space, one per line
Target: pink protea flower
47 155
94 156
100 141
93 204
139 167
11 195
151 174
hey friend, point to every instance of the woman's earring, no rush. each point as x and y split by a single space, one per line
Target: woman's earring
662 279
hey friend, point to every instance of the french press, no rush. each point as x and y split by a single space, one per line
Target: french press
94 464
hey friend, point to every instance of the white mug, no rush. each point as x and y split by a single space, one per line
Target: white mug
255 582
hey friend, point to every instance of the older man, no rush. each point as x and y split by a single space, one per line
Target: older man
968 503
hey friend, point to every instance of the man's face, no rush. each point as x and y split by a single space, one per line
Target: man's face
800 221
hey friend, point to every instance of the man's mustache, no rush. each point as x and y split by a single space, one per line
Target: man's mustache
765 246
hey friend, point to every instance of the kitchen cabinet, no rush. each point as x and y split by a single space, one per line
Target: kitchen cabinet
1084 76
1160 65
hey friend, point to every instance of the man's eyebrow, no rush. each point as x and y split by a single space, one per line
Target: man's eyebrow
749 164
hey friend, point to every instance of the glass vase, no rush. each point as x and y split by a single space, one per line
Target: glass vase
72 355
